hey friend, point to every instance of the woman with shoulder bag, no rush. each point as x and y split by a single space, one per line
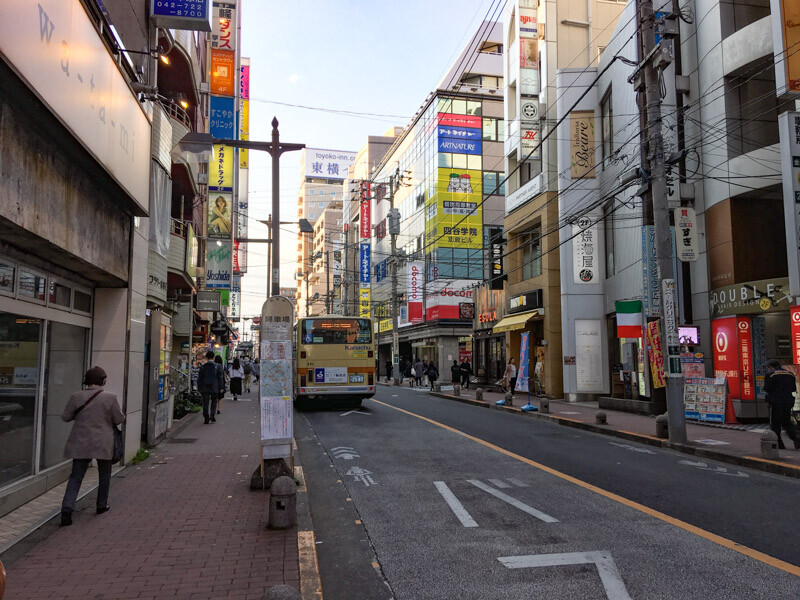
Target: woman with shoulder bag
237 375
96 414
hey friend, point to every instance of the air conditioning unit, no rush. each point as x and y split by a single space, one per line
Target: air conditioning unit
202 178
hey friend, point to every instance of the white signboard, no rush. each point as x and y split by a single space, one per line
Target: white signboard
218 264
789 127
529 142
327 164
223 27
54 46
588 355
585 252
686 234
275 390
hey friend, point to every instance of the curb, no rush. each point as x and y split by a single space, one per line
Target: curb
308 565
751 462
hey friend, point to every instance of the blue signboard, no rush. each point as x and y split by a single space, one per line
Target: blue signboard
193 15
522 373
365 263
458 133
319 375
459 146
222 118
380 270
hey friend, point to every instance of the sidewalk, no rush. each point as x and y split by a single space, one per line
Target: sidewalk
182 524
733 445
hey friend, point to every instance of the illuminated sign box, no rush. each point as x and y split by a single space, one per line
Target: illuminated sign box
194 15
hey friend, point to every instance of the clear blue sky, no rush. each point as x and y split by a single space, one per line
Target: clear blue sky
379 57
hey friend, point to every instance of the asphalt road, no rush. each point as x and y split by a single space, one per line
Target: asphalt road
407 509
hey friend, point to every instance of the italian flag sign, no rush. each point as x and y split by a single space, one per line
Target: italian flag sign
629 318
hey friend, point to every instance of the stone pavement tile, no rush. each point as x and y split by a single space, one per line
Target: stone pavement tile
183 523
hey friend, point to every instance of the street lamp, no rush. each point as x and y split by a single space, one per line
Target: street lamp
202 144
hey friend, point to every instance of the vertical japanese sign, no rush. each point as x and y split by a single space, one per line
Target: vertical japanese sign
223 71
794 313
364 302
415 275
651 292
523 373
223 27
220 177
655 354
275 383
528 52
221 117
726 346
235 300
244 111
786 37
581 144
365 224
747 383
365 264
670 306
241 222
584 251
686 233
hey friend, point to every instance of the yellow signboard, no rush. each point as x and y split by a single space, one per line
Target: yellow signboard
385 325
364 303
220 169
454 215
244 132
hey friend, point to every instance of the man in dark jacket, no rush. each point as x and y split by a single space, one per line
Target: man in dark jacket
455 373
208 386
780 387
466 371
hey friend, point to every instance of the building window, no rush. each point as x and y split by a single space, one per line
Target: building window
609 237
311 216
7 272
310 192
60 295
531 244
606 130
32 285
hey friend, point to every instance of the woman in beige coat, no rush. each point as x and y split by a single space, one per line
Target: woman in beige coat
95 412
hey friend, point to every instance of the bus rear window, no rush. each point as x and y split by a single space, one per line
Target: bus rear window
336 331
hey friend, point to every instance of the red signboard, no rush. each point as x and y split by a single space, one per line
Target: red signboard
459 120
366 224
655 354
726 352
747 383
794 311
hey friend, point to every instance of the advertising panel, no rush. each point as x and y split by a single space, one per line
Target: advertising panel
415 275
726 346
752 297
218 265
365 224
329 164
789 130
364 304
786 37
523 372
655 354
529 142
686 231
54 46
451 120
746 376
364 263
241 220
244 132
455 212
275 385
704 399
795 323
220 176
588 355
221 117
443 302
208 301
194 15
219 215
244 78
223 71
651 293
581 145
528 52
460 146
459 133
223 27
585 251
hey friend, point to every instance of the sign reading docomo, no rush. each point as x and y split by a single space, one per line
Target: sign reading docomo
54 46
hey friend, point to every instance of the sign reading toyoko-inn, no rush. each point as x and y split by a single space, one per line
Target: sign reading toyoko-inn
54 46
328 164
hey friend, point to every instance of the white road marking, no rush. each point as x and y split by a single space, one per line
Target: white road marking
709 442
632 448
455 505
513 501
499 483
606 568
356 411
568 412
345 452
361 475
517 482
718 470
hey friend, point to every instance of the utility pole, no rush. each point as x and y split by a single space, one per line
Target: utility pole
269 259
327 277
655 59
394 229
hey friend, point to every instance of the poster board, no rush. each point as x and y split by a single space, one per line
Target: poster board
275 384
704 399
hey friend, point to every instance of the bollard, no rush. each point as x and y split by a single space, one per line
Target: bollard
769 445
282 503
479 394
662 426
544 405
282 592
600 418
437 387
456 389
509 398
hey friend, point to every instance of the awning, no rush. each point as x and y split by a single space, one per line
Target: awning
513 322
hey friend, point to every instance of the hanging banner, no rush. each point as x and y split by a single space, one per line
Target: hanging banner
223 71
726 346
241 220
365 225
655 354
219 215
365 263
584 252
746 378
651 292
686 233
523 371
415 275
794 313
223 27
220 176
364 304
218 265
454 214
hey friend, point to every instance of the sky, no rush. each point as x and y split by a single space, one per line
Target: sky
363 56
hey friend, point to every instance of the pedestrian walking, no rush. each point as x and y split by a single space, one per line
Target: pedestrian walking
388 370
409 372
455 372
96 413
780 387
222 374
466 371
236 377
433 374
247 367
510 375
208 386
401 370
419 371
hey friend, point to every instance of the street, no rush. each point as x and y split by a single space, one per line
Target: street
408 507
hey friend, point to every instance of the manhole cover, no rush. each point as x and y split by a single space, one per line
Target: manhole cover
182 440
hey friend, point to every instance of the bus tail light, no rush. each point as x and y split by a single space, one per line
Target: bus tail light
302 353
370 379
369 354
302 380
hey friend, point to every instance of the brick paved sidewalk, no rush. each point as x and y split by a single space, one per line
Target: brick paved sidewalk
743 446
182 524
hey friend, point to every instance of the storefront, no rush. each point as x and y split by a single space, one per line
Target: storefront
489 346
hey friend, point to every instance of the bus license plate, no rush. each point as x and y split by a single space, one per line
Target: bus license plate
356 379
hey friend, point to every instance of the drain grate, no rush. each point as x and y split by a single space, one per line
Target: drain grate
182 440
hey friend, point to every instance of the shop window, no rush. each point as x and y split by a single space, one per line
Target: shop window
7 272
19 390
531 253
445 160
82 302
60 294
474 107
65 366
32 285
459 161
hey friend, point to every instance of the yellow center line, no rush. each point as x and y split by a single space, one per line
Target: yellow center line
712 537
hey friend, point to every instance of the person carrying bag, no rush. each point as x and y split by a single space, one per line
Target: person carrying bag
95 435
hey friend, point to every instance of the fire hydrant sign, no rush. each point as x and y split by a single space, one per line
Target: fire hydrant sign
275 385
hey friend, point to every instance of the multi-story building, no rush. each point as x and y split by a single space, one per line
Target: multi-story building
443 175
540 38
326 262
322 173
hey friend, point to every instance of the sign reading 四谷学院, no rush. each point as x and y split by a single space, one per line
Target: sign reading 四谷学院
364 303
